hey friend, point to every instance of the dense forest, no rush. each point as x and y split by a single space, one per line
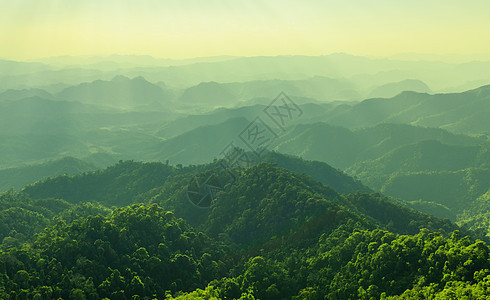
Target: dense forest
130 232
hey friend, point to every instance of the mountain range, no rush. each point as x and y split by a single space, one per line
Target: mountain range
261 228
286 177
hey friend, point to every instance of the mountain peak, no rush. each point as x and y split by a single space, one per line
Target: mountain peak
120 78
121 91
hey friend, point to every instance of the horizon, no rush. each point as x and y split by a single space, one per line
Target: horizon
192 29
448 58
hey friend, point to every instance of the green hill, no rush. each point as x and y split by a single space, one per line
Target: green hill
269 234
341 147
458 112
436 178
18 177
320 171
454 189
35 130
425 156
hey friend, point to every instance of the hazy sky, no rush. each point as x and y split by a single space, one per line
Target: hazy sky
190 28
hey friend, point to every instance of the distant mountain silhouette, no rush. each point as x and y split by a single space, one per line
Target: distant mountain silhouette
208 94
394 88
428 155
341 147
119 92
200 144
14 95
228 94
18 177
461 112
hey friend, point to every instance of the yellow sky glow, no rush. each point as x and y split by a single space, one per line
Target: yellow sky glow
193 28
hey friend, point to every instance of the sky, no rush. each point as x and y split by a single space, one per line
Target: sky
32 29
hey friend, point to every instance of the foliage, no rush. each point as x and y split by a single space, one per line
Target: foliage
269 234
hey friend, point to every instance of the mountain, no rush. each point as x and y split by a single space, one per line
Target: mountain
14 68
120 92
76 129
166 185
392 89
334 145
21 176
315 89
385 137
200 215
424 156
476 216
189 122
319 171
185 73
14 95
341 147
457 112
438 75
456 190
18 177
337 146
433 177
123 61
34 130
207 94
136 173
258 219
201 144
131 182
270 233
148 238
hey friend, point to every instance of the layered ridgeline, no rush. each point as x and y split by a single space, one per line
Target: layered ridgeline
130 182
86 119
16 178
459 112
448 178
269 233
362 73
432 169
120 92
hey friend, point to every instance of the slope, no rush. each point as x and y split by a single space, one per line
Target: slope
120 92
272 234
341 147
18 177
459 112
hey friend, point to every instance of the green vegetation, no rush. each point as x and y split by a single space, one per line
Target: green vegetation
137 250
270 234
440 179
16 178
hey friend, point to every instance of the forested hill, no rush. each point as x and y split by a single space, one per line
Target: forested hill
18 177
105 185
130 232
